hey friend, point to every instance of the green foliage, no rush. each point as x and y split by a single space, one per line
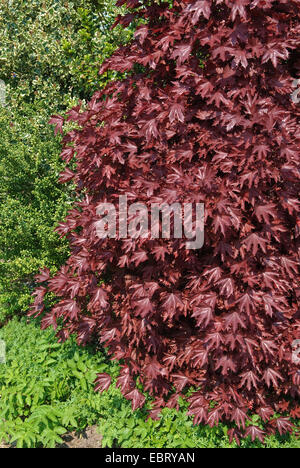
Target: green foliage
31 203
55 47
127 429
50 54
46 390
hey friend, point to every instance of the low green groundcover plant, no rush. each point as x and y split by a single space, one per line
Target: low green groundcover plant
46 391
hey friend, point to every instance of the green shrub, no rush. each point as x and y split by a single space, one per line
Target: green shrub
50 54
31 203
56 47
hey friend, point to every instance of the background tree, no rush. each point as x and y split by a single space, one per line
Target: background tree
50 54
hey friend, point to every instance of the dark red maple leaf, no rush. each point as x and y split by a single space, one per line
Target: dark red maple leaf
102 382
255 433
58 121
249 379
137 399
284 425
272 377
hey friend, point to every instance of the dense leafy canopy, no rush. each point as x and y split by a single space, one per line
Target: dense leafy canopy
225 133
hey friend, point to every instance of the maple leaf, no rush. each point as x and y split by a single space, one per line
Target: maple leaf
182 53
246 303
200 358
109 335
123 261
235 341
160 251
170 361
200 415
235 321
227 364
176 113
240 417
270 303
289 265
253 242
214 340
261 150
150 129
85 330
102 382
99 299
255 433
213 417
240 57
284 425
43 276
139 257
221 52
66 176
238 7
143 307
221 223
251 345
219 98
141 33
155 369
39 294
265 413
213 274
273 55
270 278
234 433
268 347
71 308
58 121
205 89
180 381
172 303
226 287
271 377
295 413
201 7
264 212
49 320
67 154
203 316
125 381
137 399
249 379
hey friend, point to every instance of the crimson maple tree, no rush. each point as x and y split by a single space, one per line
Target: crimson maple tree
204 115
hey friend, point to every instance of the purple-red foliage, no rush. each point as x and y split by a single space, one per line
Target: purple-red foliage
222 318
